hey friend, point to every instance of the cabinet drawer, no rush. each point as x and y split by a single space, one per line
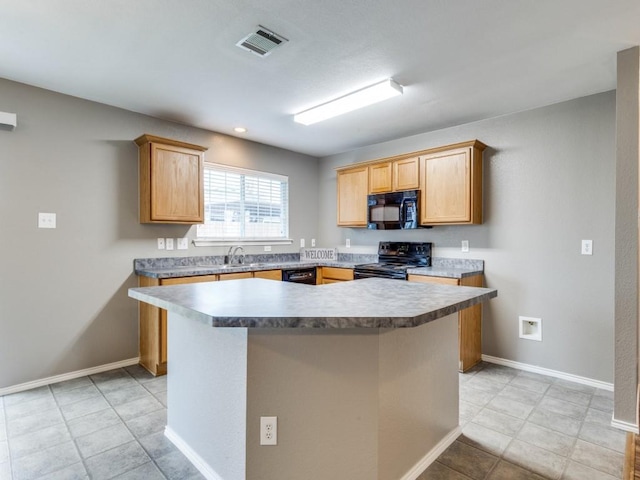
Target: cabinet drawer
337 273
440 280
183 280
235 276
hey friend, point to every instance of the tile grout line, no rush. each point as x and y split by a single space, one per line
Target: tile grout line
135 438
524 422
575 438
66 426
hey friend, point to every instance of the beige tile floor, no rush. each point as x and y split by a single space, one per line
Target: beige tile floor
516 426
523 426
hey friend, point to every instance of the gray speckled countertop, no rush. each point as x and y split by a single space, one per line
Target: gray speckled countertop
367 303
194 270
193 266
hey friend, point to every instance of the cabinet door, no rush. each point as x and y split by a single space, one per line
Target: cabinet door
337 274
469 320
380 177
163 312
269 274
352 197
406 174
177 190
470 328
446 196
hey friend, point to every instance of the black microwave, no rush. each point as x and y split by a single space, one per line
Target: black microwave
393 211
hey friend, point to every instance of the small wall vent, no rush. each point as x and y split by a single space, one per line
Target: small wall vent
261 42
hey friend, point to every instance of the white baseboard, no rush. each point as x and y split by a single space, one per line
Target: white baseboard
203 467
210 474
419 468
551 373
67 376
626 426
622 425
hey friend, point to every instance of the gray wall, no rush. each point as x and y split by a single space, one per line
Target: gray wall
63 292
549 183
626 231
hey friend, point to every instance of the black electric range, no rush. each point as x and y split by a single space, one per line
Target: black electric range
394 259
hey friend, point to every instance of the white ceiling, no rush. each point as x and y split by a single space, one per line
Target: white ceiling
458 60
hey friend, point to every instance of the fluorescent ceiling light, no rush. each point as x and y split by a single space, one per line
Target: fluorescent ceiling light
352 101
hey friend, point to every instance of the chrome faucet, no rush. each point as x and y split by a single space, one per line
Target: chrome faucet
232 255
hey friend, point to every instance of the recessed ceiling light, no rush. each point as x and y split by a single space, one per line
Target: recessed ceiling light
240 130
352 101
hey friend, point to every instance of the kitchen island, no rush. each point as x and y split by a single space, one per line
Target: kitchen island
362 376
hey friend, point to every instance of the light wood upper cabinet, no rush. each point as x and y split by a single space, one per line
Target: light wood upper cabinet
171 181
394 176
451 185
406 174
353 185
449 179
380 177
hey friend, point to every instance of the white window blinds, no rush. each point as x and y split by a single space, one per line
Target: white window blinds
244 204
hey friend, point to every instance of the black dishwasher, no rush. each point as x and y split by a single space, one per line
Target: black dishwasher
300 275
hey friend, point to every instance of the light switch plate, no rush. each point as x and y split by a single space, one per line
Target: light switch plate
160 243
168 242
183 243
46 220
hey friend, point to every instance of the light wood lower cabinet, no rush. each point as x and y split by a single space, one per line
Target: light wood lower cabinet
326 275
469 320
235 276
153 320
269 274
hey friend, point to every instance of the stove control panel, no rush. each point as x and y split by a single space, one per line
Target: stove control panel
418 253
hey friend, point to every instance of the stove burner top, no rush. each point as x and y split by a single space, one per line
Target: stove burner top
394 259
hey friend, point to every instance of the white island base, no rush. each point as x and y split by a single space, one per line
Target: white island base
352 404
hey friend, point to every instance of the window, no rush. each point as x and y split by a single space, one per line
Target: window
244 205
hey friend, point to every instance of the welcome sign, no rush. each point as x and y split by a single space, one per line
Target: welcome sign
315 254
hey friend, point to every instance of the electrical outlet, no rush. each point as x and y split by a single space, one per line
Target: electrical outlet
267 248
46 220
587 247
169 243
465 245
302 243
313 242
268 430
160 243
348 243
183 243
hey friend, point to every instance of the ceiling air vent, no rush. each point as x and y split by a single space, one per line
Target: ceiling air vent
261 42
